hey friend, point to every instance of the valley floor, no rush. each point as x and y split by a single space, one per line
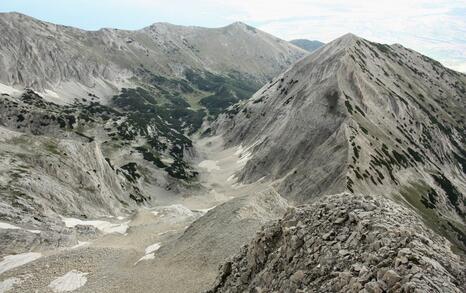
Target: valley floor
142 252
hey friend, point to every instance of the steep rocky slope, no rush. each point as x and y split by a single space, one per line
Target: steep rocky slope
188 60
96 133
162 249
345 243
82 160
360 117
97 123
190 263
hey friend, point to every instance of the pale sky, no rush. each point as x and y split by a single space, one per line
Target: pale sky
436 28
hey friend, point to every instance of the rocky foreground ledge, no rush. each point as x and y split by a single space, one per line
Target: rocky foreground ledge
345 243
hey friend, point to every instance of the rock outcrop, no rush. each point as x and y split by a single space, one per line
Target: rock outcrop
345 243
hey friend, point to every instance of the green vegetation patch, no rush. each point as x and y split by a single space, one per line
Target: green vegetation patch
226 89
450 190
131 172
418 195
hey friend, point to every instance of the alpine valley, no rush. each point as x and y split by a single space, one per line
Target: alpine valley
190 159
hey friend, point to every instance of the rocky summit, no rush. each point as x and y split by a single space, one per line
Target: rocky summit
345 243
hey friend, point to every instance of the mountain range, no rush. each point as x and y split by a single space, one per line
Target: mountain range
130 96
150 158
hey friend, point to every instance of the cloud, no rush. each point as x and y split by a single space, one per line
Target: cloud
436 28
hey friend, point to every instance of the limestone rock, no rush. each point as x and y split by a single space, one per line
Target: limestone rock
271 262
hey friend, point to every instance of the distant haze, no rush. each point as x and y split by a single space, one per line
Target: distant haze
307 45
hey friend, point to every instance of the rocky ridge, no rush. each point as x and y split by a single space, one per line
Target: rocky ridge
72 62
345 243
107 129
361 117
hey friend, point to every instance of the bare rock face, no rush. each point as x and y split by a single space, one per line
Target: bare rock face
42 55
345 243
97 123
363 117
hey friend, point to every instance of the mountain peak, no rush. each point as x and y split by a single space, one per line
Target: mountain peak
237 24
241 26
350 36
368 113
15 16
346 40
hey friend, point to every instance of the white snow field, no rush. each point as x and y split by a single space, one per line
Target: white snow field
104 226
12 261
150 252
69 282
4 225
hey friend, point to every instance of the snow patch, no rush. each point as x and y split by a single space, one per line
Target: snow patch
167 160
5 89
206 210
12 261
166 232
104 226
51 94
245 154
150 252
153 248
146 257
8 226
13 227
209 165
175 213
69 282
8 284
80 244
261 179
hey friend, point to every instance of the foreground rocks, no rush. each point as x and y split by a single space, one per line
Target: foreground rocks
345 243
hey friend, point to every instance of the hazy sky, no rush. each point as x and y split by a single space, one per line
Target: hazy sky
436 28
